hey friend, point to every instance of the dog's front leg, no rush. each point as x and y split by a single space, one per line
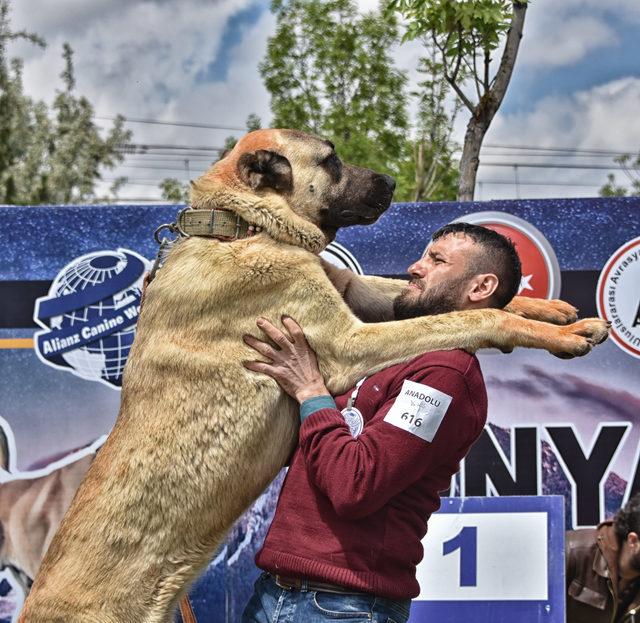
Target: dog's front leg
366 348
371 298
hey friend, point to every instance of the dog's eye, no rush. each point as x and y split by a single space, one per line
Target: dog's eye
332 162
333 166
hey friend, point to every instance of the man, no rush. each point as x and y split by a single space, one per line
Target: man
603 569
346 536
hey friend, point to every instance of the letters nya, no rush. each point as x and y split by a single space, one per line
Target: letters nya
488 471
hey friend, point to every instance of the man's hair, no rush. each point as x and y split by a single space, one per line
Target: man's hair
627 519
497 255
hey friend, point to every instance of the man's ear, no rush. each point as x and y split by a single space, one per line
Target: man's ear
482 287
265 169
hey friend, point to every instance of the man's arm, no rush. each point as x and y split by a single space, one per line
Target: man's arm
359 475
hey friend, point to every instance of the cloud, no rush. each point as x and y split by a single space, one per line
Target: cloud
554 40
130 57
599 117
603 117
193 60
162 59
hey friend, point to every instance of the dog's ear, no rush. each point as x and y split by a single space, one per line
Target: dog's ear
265 169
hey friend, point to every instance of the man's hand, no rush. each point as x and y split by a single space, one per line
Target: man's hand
293 364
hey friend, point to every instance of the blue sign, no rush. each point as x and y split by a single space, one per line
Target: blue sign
493 560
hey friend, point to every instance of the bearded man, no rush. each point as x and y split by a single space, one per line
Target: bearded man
346 536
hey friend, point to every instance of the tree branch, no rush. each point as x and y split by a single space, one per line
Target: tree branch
475 69
460 55
508 60
487 63
451 78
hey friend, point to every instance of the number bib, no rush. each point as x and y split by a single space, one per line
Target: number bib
419 409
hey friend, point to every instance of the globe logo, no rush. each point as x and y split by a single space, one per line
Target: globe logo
89 315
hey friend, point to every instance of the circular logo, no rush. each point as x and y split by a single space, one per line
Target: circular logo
341 257
540 267
89 315
618 296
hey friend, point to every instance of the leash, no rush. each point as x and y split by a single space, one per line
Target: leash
186 610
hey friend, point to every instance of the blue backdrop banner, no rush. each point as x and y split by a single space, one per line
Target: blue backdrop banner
70 286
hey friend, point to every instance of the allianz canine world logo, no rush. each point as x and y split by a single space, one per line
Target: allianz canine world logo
618 296
541 277
89 315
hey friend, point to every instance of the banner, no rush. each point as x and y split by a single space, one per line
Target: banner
70 285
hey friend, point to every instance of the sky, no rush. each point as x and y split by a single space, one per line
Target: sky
576 84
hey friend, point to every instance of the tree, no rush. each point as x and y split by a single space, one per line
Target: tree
466 33
429 172
175 191
78 151
16 112
49 155
329 72
631 168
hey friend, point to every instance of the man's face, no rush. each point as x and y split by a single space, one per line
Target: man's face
439 280
629 557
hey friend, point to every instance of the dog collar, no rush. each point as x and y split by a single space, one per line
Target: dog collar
214 223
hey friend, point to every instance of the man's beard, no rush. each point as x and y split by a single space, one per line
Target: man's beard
440 299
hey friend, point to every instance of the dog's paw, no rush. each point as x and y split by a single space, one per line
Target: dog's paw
561 313
554 312
578 338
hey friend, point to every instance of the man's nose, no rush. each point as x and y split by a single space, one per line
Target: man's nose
418 269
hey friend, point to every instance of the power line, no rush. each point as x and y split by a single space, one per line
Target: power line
212 126
186 124
167 158
177 155
512 183
545 155
540 165
153 166
563 149
143 148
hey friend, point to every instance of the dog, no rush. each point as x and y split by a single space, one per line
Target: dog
198 436
32 504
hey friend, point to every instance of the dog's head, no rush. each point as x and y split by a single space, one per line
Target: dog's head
305 172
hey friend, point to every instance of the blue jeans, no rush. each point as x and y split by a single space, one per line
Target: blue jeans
273 604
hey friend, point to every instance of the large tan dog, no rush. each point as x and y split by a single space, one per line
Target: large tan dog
30 512
32 505
198 436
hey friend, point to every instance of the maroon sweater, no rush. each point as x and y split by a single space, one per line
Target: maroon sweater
353 511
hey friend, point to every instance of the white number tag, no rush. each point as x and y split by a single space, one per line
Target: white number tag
419 409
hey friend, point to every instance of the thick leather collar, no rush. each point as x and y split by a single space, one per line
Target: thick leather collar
214 223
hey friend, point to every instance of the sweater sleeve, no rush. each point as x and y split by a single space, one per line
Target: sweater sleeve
360 475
